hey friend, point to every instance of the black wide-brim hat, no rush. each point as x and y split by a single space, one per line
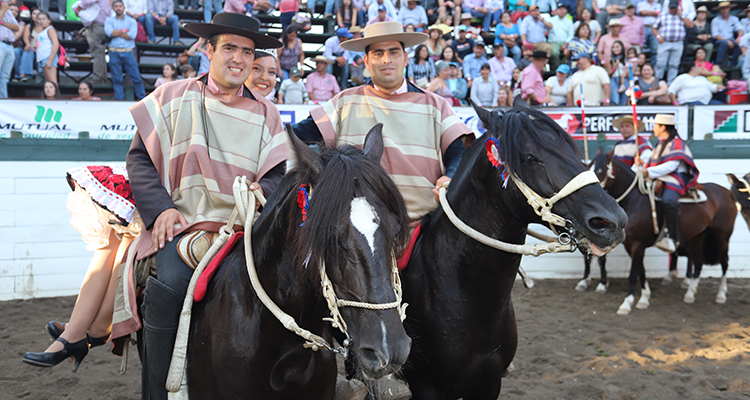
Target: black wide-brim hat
235 24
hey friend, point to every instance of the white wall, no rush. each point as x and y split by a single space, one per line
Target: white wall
41 255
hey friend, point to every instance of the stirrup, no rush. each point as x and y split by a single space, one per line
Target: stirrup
666 244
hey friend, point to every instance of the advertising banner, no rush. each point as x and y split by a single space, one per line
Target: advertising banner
111 120
721 122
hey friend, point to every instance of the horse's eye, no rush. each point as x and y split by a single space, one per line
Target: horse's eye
529 159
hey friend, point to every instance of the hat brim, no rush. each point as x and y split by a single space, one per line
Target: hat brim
719 7
409 39
618 122
445 29
207 30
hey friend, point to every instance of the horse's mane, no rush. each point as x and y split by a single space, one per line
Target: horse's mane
346 173
537 127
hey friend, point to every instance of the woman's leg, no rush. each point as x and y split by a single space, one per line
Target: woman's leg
50 73
102 323
91 295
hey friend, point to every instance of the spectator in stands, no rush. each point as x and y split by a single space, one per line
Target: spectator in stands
711 71
137 9
190 5
618 75
187 71
328 7
435 10
473 63
632 28
604 48
339 57
669 29
439 85
545 6
745 21
686 10
413 14
534 30
501 67
321 86
472 32
373 11
86 92
421 67
198 49
691 88
50 91
123 30
653 91
700 34
507 35
612 9
581 43
168 74
292 90
96 38
211 7
20 70
648 10
478 9
288 8
559 35
47 47
449 55
346 14
594 80
504 97
528 51
484 89
532 84
515 83
435 43
496 8
518 9
263 77
291 55
30 40
382 15
457 84
162 11
744 45
727 31
557 86
595 30
8 27
463 45
356 60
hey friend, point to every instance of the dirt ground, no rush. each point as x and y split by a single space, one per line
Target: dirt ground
571 346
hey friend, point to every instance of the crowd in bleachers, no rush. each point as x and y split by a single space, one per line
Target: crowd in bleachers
596 52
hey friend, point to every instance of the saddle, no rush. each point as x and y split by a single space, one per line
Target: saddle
694 195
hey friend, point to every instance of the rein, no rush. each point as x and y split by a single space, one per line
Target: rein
645 186
542 207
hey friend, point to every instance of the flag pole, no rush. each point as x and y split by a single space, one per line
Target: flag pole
633 101
583 121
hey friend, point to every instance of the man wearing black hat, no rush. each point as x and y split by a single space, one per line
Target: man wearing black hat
181 170
532 83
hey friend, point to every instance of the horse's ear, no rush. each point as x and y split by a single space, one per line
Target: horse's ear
519 102
733 179
484 114
374 143
304 157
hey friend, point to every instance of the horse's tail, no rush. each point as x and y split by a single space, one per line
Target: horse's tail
711 248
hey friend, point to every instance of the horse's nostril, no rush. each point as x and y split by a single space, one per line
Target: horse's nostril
598 223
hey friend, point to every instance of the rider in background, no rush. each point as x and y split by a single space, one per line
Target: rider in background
671 163
625 150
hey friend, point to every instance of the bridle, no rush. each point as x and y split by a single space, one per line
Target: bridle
645 186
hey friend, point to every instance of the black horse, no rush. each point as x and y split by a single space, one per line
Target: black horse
706 229
356 220
741 194
460 315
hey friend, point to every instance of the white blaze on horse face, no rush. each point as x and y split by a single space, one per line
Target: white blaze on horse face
365 219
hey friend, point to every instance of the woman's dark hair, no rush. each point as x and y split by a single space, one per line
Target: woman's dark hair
591 14
32 24
453 59
57 95
672 134
647 63
485 66
172 67
419 50
504 12
91 87
621 56
48 17
701 48
578 30
289 29
340 6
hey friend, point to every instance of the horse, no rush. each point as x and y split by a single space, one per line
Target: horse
461 317
583 284
337 212
741 194
706 230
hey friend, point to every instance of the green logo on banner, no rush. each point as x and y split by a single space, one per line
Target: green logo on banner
47 114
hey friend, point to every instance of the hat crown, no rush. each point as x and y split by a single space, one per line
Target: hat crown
665 119
383 28
234 20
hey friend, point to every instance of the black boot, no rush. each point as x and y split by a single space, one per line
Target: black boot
672 220
161 309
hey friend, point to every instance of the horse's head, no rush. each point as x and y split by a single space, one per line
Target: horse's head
356 221
741 194
613 174
543 162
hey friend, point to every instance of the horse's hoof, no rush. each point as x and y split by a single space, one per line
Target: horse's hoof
582 285
601 288
685 283
689 299
642 305
720 299
623 311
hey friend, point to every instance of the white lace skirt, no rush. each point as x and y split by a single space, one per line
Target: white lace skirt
95 223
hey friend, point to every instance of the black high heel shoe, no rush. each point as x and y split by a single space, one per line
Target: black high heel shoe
77 351
55 329
97 341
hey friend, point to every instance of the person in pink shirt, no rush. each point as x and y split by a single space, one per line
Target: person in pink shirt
632 28
320 85
532 83
604 48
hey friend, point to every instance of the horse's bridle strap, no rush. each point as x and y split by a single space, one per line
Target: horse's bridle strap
543 207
